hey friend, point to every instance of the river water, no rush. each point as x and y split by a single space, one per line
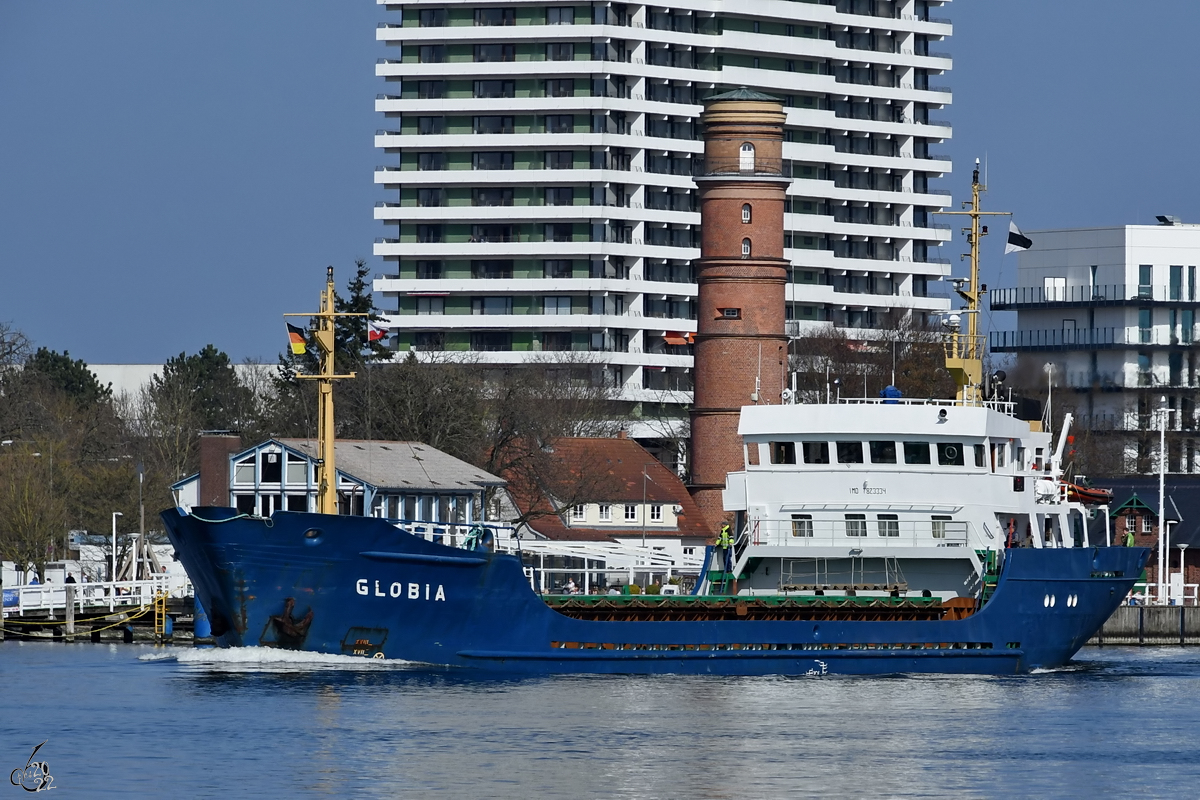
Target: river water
127 720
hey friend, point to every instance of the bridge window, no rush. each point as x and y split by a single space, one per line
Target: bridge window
783 452
980 457
850 452
950 454
883 452
916 453
816 452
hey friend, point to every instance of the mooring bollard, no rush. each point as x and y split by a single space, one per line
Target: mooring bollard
70 615
127 634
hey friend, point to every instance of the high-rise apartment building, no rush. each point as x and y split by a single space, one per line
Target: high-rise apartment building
1113 312
541 162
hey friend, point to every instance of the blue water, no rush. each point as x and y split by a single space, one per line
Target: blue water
125 720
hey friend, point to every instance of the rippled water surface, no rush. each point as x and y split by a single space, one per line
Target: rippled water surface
125 720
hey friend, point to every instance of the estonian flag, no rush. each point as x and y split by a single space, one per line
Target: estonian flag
375 332
296 337
1017 241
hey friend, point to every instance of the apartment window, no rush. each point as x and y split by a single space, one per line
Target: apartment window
431 90
850 452
492 124
433 18
431 340
490 306
656 514
491 341
630 513
492 196
431 53
1145 280
429 234
430 198
431 125
486 89
492 270
939 527
559 231
492 159
1176 287
745 248
578 513
558 268
856 524
428 306
560 195
883 452
488 53
889 524
560 51
560 87
816 452
605 512
560 159
950 454
492 17
560 16
556 341
802 525
916 453
429 270
1145 322
560 123
556 305
783 452
745 213
431 161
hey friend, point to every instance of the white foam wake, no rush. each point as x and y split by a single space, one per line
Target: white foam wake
270 659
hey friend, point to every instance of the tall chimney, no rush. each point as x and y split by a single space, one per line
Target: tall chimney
215 450
740 342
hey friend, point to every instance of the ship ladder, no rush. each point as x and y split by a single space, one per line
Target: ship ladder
160 616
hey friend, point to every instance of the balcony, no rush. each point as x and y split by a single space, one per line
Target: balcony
1090 339
1068 296
769 167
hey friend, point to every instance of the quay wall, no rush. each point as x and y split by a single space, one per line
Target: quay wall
1151 625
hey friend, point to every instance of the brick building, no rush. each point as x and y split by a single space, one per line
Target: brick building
1134 508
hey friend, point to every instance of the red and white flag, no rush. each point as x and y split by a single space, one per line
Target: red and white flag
375 331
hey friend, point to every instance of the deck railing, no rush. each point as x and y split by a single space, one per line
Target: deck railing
869 531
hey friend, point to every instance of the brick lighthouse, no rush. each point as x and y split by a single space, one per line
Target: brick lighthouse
740 343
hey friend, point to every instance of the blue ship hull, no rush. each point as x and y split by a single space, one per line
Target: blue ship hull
360 586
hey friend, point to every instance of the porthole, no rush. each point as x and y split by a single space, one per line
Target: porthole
1046 601
312 536
1053 598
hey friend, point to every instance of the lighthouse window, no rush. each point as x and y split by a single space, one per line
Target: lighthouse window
746 212
745 248
731 313
850 452
783 453
856 524
916 453
883 452
950 454
816 452
746 158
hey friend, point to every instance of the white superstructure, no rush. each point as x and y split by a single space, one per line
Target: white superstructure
541 159
1114 311
892 497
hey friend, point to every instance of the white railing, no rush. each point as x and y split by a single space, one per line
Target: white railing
1146 594
868 532
21 600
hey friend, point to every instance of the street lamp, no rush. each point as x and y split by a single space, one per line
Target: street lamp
112 576
1163 558
1182 573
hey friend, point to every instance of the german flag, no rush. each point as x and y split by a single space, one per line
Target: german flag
296 336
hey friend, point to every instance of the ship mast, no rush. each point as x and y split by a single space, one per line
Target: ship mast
323 335
964 351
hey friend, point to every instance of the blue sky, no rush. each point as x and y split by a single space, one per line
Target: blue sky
174 174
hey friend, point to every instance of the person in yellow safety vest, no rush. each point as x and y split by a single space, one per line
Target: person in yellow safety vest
725 540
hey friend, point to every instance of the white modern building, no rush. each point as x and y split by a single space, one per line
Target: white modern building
1114 310
540 160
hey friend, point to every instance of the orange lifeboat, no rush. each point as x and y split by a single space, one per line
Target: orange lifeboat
1088 495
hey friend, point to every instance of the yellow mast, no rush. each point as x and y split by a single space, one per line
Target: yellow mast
964 351
326 375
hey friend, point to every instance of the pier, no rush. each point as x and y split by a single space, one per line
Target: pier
102 610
